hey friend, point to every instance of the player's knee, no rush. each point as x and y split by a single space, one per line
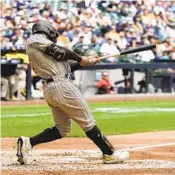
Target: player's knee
89 127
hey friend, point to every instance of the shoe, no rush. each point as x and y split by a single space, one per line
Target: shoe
14 98
116 157
4 99
23 149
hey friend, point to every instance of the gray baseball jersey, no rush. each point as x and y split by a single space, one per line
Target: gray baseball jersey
64 98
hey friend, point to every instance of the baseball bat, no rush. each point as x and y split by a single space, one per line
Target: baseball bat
129 51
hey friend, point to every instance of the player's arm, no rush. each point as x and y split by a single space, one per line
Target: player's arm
85 61
60 53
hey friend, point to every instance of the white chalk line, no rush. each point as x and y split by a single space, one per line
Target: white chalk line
109 110
132 109
87 152
26 114
149 146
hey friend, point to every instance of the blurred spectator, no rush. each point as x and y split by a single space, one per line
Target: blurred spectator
87 34
4 88
112 9
56 22
123 21
148 17
63 40
13 54
88 18
138 27
122 42
62 13
109 48
104 85
165 49
142 85
104 23
74 33
112 33
19 40
170 27
144 56
95 43
13 86
128 86
6 44
79 46
171 48
159 8
21 81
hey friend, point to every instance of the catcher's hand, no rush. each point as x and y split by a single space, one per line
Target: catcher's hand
89 61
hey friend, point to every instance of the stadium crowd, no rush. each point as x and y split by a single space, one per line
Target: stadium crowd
116 24
104 26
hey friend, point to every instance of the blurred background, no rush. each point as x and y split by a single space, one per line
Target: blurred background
92 28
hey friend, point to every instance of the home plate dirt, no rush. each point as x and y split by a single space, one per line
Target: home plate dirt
151 153
76 160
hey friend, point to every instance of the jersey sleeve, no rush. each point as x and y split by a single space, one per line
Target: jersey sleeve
74 65
58 53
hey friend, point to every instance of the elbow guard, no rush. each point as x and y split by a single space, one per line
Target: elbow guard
55 52
61 53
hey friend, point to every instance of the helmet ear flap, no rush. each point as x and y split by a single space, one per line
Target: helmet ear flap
57 34
54 32
53 35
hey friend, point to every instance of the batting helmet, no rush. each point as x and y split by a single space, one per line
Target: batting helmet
46 28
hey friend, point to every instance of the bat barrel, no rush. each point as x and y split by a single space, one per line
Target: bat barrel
129 51
139 49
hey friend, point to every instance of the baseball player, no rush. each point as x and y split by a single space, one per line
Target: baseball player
51 62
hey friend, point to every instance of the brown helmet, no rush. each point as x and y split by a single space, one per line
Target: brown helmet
46 28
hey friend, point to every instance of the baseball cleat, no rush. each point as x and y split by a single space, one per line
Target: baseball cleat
116 157
23 149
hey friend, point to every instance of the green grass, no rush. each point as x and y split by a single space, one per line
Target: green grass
110 123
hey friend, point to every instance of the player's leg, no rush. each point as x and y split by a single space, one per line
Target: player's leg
62 127
77 108
109 153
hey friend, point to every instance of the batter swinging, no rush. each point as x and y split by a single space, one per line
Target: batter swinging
50 62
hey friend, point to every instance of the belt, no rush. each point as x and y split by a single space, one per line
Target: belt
65 76
49 80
